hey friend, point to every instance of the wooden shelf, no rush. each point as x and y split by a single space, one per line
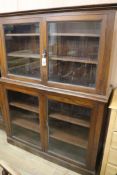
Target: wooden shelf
75 59
76 121
75 34
26 123
24 54
24 105
16 62
26 135
32 65
22 34
75 137
70 152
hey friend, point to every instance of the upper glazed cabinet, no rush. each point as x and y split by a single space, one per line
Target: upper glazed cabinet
61 51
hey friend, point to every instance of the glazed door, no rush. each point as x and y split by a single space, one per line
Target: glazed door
74 49
24 117
22 41
70 129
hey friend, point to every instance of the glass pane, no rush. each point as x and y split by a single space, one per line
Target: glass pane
26 135
68 130
24 114
22 49
73 52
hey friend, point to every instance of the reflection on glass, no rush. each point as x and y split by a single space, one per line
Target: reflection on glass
22 49
73 52
68 130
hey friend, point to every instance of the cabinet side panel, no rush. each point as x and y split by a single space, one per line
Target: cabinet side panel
97 132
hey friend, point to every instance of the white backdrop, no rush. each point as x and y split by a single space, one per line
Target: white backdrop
19 5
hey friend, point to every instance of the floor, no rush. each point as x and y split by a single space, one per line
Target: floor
27 163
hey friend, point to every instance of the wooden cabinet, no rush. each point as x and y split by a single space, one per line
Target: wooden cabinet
61 126
55 82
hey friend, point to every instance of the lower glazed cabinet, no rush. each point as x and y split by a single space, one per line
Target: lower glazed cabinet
61 128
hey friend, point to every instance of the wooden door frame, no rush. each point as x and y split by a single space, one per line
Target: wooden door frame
101 81
18 20
79 102
22 90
